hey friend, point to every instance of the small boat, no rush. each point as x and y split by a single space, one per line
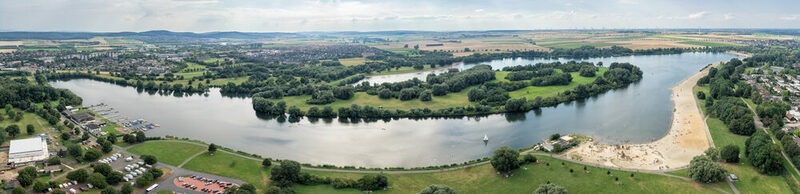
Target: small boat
485 137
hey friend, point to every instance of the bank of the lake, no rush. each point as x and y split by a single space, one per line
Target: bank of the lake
641 112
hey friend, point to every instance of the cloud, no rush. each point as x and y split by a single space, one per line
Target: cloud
728 16
478 10
790 17
697 15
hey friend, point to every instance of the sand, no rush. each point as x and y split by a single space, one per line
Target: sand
687 137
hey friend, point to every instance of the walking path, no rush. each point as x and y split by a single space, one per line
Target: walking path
190 158
760 125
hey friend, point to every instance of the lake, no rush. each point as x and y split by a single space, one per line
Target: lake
641 112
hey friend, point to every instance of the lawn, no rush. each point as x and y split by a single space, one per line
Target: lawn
439 102
482 179
228 165
708 44
193 67
750 180
531 92
172 153
40 125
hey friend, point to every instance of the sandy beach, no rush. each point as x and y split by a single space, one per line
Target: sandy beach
687 137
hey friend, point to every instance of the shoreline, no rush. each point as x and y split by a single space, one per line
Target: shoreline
687 137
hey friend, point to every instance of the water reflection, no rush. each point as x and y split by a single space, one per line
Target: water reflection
638 113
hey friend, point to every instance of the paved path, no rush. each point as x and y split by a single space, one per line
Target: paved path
190 158
759 124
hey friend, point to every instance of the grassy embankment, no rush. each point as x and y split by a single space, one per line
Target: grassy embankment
439 102
480 179
750 180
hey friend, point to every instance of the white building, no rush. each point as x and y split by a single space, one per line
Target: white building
23 151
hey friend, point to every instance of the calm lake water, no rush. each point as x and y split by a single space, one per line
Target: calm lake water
641 112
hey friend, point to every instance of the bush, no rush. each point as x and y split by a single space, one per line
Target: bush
437 189
550 188
712 153
149 159
730 153
79 175
529 158
286 174
702 169
701 95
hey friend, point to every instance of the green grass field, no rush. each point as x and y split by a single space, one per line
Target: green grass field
750 180
192 66
482 179
228 165
439 102
531 92
708 44
40 125
172 153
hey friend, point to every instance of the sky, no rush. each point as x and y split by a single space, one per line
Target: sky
374 15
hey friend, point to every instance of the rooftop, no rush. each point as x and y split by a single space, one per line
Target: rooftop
25 145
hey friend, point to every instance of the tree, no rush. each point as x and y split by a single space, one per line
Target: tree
730 153
763 154
212 148
75 151
505 159
53 161
30 129
65 136
554 137
550 188
712 153
703 169
437 189
25 180
106 146
109 190
701 95
114 177
140 137
266 163
127 188
40 186
79 175
92 154
103 169
19 190
149 159
286 174
425 95
98 180
12 130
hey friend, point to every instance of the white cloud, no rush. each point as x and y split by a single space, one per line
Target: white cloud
697 15
728 16
478 10
790 17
